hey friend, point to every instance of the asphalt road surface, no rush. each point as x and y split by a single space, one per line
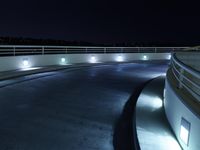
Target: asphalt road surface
70 110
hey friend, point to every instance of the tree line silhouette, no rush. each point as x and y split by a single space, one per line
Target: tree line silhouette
33 41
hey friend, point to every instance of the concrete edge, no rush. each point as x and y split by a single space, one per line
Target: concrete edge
147 85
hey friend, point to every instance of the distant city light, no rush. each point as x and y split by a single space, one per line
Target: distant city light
185 131
119 58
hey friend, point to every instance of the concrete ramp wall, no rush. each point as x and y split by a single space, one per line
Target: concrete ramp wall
19 62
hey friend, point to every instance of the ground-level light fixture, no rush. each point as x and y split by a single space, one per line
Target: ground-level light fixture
25 62
63 60
145 57
93 59
169 56
185 131
119 58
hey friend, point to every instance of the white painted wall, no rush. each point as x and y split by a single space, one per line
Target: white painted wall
175 109
16 62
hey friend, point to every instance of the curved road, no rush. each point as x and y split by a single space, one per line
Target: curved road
70 110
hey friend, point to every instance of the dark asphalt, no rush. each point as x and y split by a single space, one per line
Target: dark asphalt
70 110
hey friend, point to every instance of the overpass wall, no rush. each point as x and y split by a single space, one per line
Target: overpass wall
17 62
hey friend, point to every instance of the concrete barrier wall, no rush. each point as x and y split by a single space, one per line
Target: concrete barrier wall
17 62
190 59
175 110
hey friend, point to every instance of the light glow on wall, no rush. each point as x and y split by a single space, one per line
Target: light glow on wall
150 129
145 57
119 58
25 63
63 60
152 102
185 131
93 59
157 103
169 56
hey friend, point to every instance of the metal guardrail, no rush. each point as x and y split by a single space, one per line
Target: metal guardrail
16 50
195 48
188 78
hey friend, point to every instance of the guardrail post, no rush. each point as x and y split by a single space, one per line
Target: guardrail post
138 50
155 50
42 50
86 50
14 51
66 51
104 50
181 78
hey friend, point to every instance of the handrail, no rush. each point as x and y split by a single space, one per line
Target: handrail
84 46
192 88
14 50
195 48
179 73
186 68
192 92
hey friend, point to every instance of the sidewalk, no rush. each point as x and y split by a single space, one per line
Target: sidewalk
152 127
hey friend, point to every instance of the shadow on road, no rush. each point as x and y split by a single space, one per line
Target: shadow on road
125 136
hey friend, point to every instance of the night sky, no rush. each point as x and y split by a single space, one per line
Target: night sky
101 21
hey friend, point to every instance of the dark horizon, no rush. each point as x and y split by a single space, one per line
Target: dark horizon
58 42
102 21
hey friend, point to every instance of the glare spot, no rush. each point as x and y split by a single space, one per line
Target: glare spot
27 69
184 135
63 60
151 102
25 62
119 58
157 103
145 57
93 59
169 56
